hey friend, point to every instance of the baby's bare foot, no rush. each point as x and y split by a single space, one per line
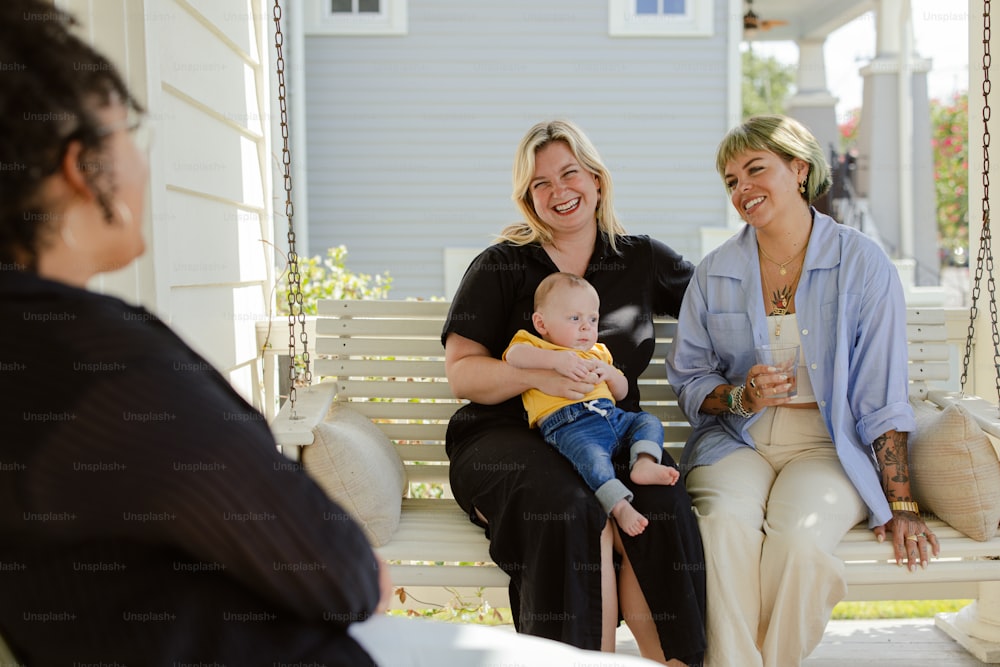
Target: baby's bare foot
628 518
648 471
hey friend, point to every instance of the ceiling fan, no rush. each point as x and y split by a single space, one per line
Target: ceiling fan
753 22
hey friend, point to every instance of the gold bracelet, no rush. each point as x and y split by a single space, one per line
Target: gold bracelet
905 506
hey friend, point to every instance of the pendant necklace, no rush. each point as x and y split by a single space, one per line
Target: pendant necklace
781 265
781 299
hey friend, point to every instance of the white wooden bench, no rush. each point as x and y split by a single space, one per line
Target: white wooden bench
391 351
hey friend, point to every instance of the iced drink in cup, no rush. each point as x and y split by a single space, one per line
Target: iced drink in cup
785 358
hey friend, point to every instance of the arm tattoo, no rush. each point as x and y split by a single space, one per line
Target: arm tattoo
890 451
720 394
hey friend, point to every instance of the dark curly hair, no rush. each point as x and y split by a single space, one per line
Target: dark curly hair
51 84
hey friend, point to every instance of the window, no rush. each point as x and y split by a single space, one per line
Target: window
355 17
659 18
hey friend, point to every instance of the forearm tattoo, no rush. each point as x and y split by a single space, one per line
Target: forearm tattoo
717 402
890 451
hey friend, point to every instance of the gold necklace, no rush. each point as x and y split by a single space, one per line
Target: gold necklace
781 299
781 265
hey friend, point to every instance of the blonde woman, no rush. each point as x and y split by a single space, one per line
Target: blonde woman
546 528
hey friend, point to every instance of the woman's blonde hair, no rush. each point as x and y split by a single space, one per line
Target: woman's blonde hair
786 138
532 229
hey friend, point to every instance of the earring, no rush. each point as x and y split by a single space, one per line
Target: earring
802 188
124 212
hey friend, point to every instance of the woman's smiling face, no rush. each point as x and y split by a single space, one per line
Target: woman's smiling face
565 195
762 185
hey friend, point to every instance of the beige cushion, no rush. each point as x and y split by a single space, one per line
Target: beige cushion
358 467
954 470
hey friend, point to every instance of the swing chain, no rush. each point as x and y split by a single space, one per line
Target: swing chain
296 312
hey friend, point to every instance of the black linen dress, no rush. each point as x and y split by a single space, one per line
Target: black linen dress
544 523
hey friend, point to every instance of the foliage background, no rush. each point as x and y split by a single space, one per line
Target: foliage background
767 85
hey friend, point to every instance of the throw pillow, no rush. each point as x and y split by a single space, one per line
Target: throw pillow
358 467
954 471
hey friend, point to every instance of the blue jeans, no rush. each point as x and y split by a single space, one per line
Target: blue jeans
590 434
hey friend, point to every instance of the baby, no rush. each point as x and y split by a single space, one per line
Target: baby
588 431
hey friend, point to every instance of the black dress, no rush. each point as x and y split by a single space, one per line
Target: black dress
544 523
146 516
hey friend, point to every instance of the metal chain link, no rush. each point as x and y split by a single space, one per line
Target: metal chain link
985 255
296 313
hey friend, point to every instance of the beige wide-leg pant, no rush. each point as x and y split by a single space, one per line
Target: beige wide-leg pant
769 521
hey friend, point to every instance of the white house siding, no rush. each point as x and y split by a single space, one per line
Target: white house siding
109 24
199 67
411 138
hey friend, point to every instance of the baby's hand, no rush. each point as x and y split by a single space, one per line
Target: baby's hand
604 370
569 364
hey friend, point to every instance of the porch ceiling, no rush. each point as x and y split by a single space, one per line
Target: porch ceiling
807 19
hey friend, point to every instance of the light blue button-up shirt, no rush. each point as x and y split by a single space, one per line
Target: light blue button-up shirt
852 326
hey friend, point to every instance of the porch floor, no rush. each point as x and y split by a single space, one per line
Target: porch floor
885 643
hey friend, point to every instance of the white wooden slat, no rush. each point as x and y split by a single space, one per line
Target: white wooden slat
866 548
379 347
400 368
447 575
926 332
938 571
430 329
925 351
664 328
929 370
913 590
347 389
382 308
415 432
925 316
406 411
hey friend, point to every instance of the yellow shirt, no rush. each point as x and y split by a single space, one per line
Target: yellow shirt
540 405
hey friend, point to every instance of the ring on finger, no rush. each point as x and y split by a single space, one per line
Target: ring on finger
753 383
912 538
758 394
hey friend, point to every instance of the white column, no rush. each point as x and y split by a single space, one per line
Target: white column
813 104
896 163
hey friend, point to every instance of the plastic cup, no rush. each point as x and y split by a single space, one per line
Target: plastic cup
784 357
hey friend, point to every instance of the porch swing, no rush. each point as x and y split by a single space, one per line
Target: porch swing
389 367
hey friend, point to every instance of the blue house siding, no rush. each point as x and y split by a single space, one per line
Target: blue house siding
411 138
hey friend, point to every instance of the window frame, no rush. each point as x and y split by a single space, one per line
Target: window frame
320 20
623 21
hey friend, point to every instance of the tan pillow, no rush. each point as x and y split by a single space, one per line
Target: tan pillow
357 466
954 470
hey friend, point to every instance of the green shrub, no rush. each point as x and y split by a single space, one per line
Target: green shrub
329 278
